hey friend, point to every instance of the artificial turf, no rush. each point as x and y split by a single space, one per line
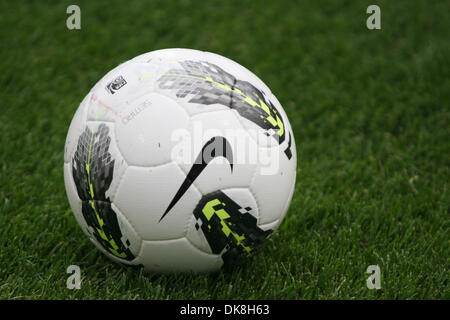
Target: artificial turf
370 113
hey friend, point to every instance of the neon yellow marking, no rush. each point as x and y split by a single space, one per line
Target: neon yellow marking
101 232
253 103
208 211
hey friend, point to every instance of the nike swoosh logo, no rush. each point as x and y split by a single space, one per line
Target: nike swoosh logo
215 147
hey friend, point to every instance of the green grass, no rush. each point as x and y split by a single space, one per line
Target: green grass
370 112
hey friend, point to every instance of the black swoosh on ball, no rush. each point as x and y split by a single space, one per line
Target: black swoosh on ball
215 147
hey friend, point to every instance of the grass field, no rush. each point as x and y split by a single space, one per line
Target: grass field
369 109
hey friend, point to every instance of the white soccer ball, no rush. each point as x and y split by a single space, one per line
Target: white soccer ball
179 160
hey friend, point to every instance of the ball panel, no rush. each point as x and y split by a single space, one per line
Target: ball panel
196 236
263 138
245 199
192 109
177 255
145 194
134 262
271 186
271 225
145 136
122 247
130 239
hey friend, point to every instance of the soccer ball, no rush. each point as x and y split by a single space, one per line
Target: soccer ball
179 160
